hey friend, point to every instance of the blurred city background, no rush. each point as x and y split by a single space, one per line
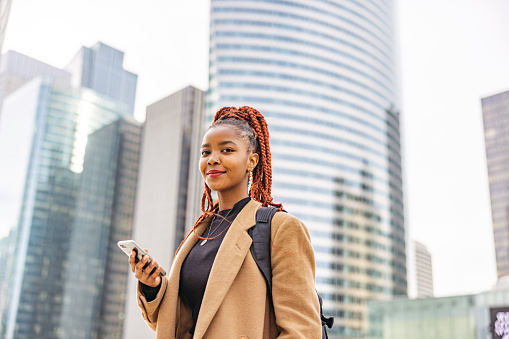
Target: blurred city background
389 125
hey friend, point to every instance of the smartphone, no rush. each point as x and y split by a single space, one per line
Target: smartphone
129 245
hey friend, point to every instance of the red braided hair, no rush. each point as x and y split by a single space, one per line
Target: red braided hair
261 184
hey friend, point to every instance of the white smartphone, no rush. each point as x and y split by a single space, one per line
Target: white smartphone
129 245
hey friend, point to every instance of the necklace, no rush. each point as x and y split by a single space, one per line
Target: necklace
215 229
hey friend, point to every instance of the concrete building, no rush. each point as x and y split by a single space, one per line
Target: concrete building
323 73
481 316
169 186
495 111
424 271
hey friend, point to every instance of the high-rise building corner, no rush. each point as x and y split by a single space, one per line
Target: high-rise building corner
169 186
495 111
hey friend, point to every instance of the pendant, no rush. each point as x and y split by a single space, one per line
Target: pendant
203 242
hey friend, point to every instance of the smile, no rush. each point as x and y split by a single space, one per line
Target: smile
214 173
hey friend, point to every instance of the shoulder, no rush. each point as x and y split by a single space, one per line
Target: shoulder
285 224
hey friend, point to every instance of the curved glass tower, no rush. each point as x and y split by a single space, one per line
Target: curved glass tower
323 73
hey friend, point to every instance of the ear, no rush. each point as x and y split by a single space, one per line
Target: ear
252 161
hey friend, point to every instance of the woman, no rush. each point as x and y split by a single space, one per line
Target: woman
215 289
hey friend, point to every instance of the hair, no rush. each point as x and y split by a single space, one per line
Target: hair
250 124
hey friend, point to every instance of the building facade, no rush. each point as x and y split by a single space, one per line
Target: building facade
100 68
170 186
49 124
323 73
97 273
481 316
5 9
495 111
60 122
17 69
423 271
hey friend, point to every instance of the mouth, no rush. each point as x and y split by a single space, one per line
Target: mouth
214 173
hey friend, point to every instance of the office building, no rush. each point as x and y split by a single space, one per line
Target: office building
479 316
423 270
5 9
7 248
50 125
100 68
56 124
97 273
169 186
495 111
324 75
17 69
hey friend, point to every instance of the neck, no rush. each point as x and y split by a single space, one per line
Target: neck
227 202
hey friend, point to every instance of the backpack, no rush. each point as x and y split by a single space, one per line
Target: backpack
260 250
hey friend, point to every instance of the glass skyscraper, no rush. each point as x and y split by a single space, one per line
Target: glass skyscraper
96 282
44 135
100 68
17 69
5 8
495 111
323 73
60 123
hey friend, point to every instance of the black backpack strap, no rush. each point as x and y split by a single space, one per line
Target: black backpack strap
260 249
325 321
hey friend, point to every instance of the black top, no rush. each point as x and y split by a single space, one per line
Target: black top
196 268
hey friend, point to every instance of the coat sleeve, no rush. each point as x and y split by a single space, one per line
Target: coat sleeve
294 296
150 310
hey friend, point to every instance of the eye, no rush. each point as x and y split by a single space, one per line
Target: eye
204 153
228 150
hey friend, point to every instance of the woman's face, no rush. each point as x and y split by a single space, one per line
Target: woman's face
225 161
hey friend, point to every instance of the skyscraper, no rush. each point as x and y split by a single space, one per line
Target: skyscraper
324 75
96 277
100 68
17 69
169 186
495 111
49 126
423 270
5 9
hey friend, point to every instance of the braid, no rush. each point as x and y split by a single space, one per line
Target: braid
249 121
259 141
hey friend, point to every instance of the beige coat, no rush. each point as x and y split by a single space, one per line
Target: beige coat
236 303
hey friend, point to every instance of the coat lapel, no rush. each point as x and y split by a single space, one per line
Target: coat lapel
229 259
172 290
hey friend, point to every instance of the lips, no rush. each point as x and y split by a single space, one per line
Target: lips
214 173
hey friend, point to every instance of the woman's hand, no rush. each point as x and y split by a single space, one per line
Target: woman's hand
146 274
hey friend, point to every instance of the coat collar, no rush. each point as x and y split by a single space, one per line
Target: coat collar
229 259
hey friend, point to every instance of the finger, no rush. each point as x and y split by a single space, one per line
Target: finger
146 259
139 272
132 260
154 279
151 267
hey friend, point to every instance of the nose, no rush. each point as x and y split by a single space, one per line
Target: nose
213 159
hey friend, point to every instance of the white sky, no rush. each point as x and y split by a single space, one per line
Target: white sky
452 53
